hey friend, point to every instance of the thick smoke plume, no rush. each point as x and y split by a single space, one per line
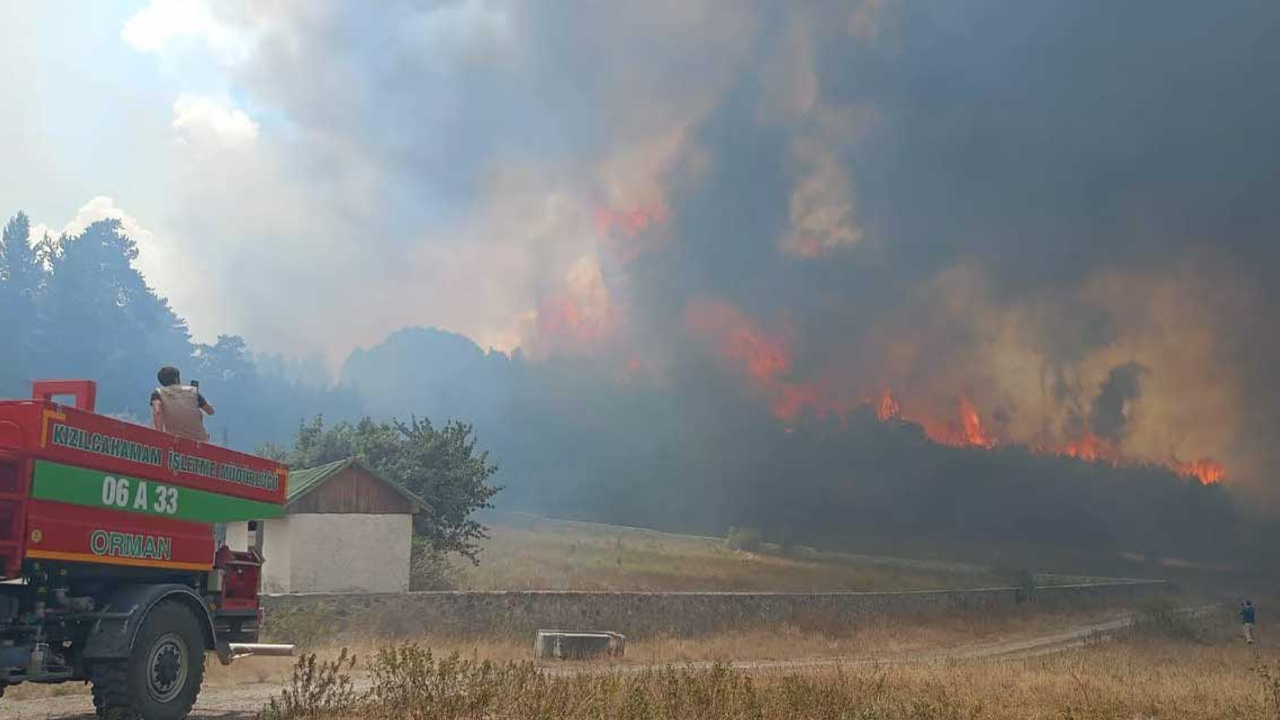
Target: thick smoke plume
1122 386
1040 227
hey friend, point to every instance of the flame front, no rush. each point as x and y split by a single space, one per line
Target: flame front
766 359
1090 448
971 423
887 408
964 429
1207 470
763 356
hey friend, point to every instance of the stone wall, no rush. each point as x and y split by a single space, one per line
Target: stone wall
304 618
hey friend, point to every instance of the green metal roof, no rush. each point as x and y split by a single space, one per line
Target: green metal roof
302 482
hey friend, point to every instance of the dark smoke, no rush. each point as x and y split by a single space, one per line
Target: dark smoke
1048 146
989 200
1122 387
1058 212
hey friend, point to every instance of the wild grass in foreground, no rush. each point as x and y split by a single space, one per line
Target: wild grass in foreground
888 638
1155 671
410 683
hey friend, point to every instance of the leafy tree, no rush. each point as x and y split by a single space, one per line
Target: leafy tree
441 466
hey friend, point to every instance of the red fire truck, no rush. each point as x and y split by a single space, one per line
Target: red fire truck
108 567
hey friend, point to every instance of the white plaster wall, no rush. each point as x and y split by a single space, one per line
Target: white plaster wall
277 551
238 536
346 552
276 547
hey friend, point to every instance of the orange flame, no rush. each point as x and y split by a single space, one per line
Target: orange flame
888 408
1090 448
763 356
625 231
765 359
562 317
964 430
629 222
1207 470
971 423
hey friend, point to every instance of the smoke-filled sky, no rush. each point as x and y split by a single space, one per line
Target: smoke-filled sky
1051 223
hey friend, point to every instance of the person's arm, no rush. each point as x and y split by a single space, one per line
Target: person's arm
205 405
157 418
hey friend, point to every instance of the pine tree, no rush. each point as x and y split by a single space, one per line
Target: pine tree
20 282
102 321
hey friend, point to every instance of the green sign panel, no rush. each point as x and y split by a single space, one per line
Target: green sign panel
64 483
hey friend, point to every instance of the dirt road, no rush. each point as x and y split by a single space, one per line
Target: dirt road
243 701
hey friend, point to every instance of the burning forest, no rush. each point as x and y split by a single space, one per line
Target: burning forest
865 276
981 272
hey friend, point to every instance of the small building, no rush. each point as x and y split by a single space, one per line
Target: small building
345 529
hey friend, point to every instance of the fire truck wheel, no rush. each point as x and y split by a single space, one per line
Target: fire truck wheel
162 677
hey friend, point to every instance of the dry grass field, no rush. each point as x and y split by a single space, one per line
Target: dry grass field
1169 670
530 553
1168 666
875 637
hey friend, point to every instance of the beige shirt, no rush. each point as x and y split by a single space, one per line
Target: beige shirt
180 412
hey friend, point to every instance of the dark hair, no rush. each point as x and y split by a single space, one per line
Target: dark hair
168 375
1248 602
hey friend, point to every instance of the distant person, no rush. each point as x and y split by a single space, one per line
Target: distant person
1247 617
179 409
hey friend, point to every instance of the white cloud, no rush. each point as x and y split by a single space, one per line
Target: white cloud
104 208
200 120
159 262
37 233
160 26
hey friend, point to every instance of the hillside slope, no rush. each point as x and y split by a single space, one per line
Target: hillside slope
526 552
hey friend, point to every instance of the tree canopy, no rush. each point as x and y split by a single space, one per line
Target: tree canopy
441 466
77 306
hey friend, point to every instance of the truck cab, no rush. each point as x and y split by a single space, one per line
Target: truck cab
109 568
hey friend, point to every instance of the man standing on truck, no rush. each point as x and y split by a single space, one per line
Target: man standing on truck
179 409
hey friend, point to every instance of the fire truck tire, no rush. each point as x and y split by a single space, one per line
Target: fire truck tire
162 677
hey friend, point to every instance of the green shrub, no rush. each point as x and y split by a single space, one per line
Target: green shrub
408 680
316 689
430 569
